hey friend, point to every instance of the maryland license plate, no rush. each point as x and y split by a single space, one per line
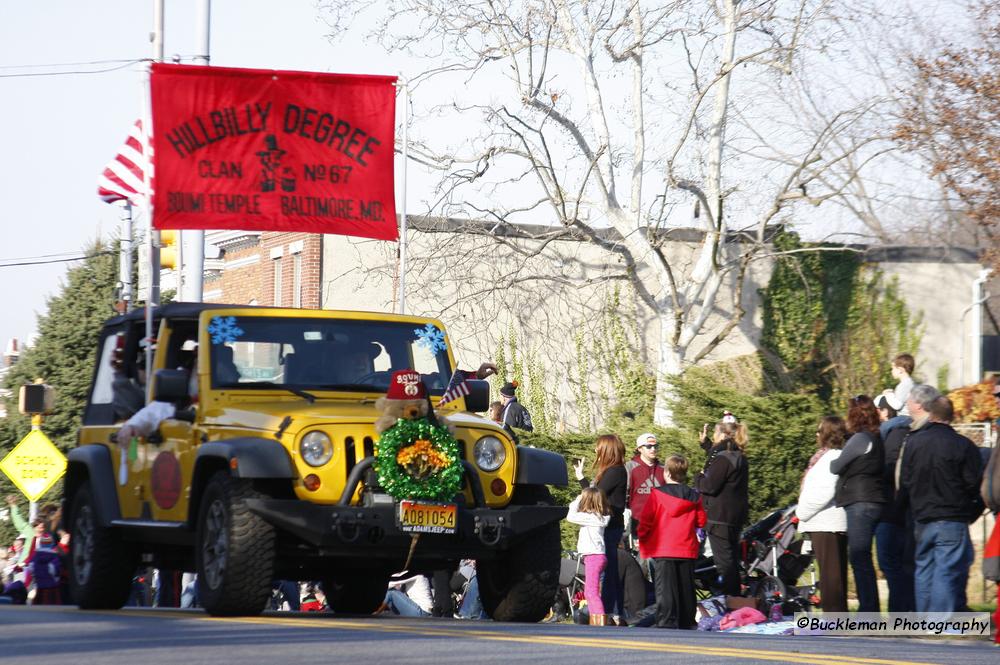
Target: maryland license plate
416 517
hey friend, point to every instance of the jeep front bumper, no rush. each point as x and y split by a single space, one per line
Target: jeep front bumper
373 531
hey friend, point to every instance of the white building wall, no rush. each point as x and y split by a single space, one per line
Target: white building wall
563 287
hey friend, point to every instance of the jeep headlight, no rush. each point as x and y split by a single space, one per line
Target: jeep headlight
316 448
489 453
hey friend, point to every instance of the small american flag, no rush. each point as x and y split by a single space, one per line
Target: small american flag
457 387
122 179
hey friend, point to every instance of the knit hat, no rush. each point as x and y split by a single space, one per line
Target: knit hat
888 400
644 439
509 388
406 384
728 417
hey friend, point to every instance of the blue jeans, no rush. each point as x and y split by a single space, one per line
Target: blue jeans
861 520
895 546
402 604
612 594
944 554
290 589
472 604
896 421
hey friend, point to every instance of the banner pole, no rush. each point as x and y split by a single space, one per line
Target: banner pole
153 236
402 224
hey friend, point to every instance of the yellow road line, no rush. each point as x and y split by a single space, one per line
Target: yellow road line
589 642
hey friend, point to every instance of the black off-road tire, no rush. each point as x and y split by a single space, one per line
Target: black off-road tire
234 549
520 585
356 591
101 564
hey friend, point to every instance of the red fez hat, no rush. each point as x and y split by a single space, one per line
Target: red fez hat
406 384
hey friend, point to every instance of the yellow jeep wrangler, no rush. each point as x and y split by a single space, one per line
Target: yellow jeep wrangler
264 469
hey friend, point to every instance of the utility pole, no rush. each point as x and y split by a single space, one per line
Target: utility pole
193 242
125 258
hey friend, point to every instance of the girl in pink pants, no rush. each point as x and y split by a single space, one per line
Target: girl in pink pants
591 511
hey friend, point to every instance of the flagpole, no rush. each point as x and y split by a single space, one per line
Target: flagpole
402 225
153 236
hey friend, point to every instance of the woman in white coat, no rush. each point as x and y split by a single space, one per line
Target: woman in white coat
819 517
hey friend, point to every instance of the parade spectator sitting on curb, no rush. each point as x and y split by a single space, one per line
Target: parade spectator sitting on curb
408 596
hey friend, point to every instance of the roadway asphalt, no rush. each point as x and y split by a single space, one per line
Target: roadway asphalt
67 636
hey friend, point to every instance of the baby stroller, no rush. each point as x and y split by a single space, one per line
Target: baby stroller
570 592
771 562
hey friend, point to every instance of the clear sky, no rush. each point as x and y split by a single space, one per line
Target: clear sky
58 132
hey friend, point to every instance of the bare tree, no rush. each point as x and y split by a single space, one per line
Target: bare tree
638 117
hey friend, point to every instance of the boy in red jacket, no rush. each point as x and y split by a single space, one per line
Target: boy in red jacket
667 536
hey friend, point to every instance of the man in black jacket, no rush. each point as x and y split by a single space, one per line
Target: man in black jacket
939 472
514 414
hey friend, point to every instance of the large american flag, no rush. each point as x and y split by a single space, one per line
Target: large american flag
122 179
457 387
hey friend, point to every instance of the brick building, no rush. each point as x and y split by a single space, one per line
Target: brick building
264 268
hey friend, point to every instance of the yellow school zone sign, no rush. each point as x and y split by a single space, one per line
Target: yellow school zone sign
34 465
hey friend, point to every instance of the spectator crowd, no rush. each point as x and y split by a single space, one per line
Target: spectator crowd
891 472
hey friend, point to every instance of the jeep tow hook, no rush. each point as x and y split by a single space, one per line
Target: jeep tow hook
490 531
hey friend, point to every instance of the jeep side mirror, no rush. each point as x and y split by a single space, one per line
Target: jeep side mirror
171 385
478 399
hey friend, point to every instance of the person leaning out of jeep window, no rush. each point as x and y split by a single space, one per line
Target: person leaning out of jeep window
147 420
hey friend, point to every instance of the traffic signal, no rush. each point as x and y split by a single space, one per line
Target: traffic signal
168 249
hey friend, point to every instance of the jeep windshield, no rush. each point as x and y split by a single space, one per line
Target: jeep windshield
307 354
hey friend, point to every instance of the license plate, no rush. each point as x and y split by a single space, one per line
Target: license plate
415 517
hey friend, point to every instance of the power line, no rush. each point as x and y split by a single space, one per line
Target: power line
67 260
39 256
67 64
72 72
119 64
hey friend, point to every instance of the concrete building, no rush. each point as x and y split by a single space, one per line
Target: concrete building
555 306
567 313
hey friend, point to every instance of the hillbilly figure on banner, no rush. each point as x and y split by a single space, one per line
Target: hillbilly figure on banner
271 150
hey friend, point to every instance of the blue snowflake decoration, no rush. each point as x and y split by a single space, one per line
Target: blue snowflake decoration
223 329
430 338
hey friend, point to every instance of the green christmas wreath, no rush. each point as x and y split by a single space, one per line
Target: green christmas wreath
417 460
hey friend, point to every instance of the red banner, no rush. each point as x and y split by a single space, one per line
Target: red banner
273 151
